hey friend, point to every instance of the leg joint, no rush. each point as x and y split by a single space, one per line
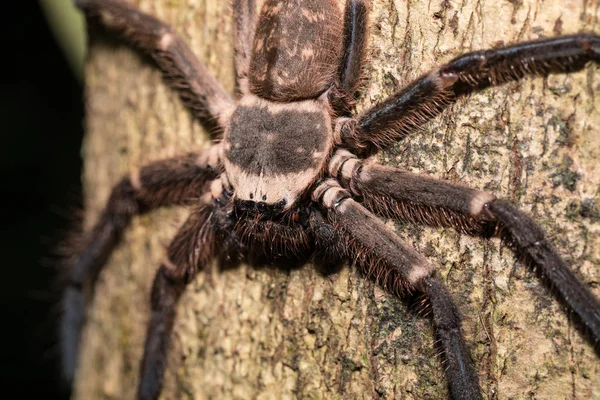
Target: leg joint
344 165
330 194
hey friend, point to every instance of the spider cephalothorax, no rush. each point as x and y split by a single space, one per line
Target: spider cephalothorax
288 178
275 151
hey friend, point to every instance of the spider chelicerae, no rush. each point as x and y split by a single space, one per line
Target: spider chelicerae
288 179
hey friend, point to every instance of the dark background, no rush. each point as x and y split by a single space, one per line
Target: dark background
41 120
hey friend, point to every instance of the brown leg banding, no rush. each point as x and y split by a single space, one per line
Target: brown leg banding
175 181
398 267
189 252
377 248
423 99
200 91
416 198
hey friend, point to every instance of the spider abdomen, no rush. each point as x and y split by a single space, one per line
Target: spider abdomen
301 60
275 151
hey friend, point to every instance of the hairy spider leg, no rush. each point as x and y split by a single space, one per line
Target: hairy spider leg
414 198
394 264
200 91
461 373
176 181
529 238
356 18
192 248
350 78
424 98
399 268
395 193
244 21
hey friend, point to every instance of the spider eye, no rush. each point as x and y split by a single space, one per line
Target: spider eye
282 203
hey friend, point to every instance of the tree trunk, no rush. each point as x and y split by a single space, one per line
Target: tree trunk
255 332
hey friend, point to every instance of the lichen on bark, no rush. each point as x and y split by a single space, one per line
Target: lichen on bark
260 332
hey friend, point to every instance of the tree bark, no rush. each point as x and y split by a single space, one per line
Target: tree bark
260 332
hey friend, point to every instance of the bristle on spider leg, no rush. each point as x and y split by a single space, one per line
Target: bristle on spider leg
414 198
422 306
199 90
383 256
350 73
530 240
171 181
460 371
420 101
191 250
86 266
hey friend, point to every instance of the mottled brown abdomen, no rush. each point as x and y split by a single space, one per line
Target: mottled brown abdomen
296 49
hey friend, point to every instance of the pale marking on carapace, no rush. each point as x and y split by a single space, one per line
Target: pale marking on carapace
308 53
270 188
264 180
317 106
223 110
312 16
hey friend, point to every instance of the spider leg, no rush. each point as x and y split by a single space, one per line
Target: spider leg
350 70
200 91
415 198
399 268
244 20
190 251
411 197
168 182
426 97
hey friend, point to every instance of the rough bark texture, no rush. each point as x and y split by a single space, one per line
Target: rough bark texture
267 333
